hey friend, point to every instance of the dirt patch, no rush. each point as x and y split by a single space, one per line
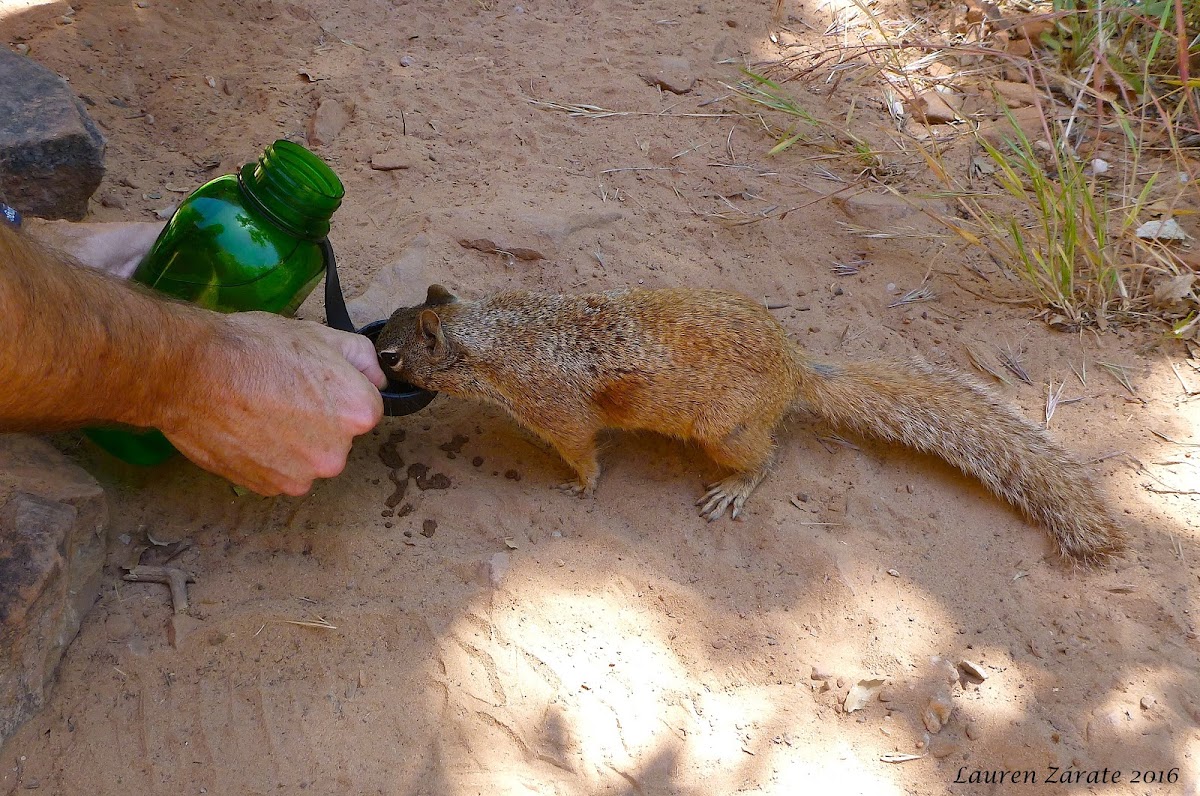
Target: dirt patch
542 643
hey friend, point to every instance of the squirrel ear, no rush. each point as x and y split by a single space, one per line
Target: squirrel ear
429 327
438 296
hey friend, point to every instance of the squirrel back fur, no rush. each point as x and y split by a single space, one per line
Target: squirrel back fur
716 368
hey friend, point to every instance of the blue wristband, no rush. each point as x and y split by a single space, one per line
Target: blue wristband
10 215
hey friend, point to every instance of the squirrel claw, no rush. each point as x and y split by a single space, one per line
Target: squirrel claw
728 494
714 503
575 488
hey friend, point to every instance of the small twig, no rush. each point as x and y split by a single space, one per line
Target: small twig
640 168
1174 441
174 577
319 622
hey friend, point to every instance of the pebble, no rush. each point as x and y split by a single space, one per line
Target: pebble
428 527
944 746
407 61
973 671
1148 702
937 712
391 161
972 731
673 74
821 672
934 107
328 120
109 199
1016 94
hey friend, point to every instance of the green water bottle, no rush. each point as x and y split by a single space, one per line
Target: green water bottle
255 240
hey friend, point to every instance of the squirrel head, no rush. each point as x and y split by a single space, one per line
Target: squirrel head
413 345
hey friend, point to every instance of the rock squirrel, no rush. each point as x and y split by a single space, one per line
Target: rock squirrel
716 368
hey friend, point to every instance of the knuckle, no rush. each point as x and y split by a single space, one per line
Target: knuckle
297 488
329 466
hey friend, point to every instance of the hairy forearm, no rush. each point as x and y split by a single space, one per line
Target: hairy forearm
81 347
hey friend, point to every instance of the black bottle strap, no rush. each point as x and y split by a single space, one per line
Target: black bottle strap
336 315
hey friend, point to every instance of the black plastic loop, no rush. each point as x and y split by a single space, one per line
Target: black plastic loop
398 398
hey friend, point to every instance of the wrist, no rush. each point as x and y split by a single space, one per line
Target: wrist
177 380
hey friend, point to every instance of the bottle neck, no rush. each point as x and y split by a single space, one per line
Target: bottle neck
294 188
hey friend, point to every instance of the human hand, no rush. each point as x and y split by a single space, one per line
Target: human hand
275 403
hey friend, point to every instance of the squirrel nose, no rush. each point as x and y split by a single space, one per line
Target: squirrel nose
389 358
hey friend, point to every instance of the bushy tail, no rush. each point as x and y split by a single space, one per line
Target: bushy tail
954 417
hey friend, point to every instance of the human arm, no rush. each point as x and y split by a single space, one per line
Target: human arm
267 402
115 247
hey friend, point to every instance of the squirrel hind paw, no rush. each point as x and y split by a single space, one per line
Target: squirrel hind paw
577 489
731 493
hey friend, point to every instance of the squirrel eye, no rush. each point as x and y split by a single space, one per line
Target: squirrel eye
390 358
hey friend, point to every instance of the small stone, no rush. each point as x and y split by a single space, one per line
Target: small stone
328 120
23 49
672 74
428 528
477 461
1148 702
821 672
934 107
972 730
1167 229
973 671
944 746
1016 95
110 199
1028 121
391 161
407 61
719 643
512 475
937 712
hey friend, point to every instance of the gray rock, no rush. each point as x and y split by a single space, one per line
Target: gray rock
52 520
51 154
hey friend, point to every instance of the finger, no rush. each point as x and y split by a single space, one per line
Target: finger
360 353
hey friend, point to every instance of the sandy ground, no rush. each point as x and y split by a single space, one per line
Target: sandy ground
489 635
